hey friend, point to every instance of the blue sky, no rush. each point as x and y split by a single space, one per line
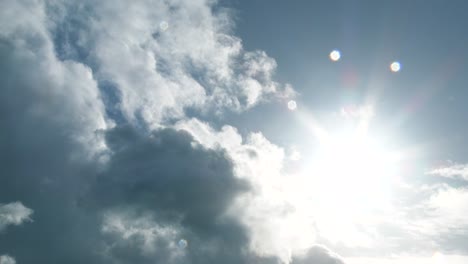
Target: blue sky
201 131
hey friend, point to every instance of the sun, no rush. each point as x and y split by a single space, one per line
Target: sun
347 179
351 170
349 182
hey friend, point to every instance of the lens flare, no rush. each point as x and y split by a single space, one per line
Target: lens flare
395 66
182 244
335 55
292 105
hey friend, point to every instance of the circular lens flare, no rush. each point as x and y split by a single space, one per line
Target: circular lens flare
182 244
292 105
335 55
395 66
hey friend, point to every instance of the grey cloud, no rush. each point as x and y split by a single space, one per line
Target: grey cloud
50 112
164 170
158 181
178 183
154 190
105 194
38 85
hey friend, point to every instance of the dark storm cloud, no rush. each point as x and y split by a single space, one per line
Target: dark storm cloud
51 116
161 174
43 164
48 110
186 188
181 184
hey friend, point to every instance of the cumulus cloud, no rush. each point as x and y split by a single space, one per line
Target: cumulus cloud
155 72
95 137
277 226
13 214
177 183
37 86
153 191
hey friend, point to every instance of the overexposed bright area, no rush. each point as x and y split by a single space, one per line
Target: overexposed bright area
346 181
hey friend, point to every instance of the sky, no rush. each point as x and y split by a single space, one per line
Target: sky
233 131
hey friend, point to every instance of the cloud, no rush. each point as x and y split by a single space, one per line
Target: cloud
126 230
447 207
93 102
277 225
319 255
5 259
456 171
156 74
153 191
13 214
423 219
177 183
38 89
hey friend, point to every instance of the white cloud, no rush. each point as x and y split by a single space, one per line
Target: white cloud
276 226
14 214
194 62
131 229
283 223
453 170
317 254
449 206
5 259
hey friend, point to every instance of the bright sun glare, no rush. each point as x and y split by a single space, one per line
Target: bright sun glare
355 167
347 179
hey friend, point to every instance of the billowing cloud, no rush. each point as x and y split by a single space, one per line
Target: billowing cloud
276 224
95 138
153 191
13 214
180 188
38 89
158 58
